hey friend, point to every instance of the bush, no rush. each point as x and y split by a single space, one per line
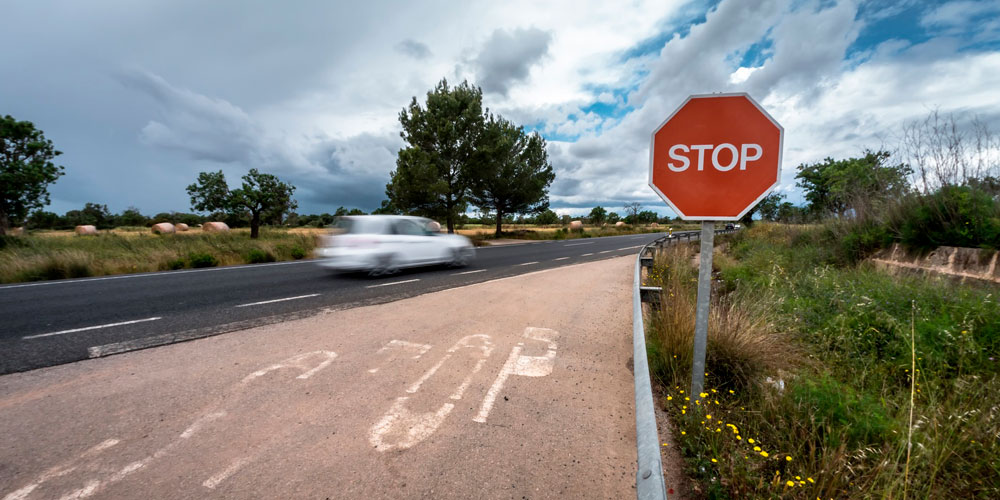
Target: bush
198 260
298 253
953 215
858 241
258 256
175 264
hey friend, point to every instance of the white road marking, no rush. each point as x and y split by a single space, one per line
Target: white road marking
606 251
278 300
416 385
59 471
528 263
630 248
196 426
419 349
470 272
578 244
300 361
393 283
561 258
153 274
74 330
217 479
491 394
587 255
401 428
526 366
417 426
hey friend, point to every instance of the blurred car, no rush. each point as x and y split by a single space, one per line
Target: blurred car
384 244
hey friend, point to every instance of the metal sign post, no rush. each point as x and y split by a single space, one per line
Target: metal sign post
701 310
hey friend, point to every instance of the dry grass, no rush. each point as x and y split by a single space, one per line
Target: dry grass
60 254
742 341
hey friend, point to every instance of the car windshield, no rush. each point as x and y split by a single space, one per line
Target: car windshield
350 225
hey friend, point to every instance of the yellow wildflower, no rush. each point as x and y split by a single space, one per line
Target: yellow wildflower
763 454
789 483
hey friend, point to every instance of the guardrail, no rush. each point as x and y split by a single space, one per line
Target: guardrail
649 483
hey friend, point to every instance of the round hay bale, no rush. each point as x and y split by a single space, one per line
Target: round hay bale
576 225
164 228
654 225
180 226
434 227
215 227
619 224
85 230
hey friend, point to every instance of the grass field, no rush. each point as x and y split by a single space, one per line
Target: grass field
811 375
62 254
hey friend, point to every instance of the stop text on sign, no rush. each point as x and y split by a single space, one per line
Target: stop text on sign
745 154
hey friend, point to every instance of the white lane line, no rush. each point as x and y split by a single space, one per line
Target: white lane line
586 255
74 330
629 248
393 283
606 251
528 263
278 300
470 272
561 258
154 274
578 244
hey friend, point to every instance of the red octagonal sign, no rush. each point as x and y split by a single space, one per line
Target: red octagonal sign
715 157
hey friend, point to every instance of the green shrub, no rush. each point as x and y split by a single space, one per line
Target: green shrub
258 256
298 253
198 260
175 264
861 239
953 215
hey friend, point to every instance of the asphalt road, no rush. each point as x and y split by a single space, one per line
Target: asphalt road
56 322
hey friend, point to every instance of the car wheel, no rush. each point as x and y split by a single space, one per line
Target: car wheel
384 266
459 257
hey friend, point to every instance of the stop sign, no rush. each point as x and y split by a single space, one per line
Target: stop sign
715 157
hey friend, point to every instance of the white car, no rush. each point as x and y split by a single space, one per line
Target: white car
384 244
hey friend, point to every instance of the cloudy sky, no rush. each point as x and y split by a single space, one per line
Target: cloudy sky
141 96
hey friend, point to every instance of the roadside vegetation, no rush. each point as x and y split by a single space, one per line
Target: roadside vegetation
812 374
55 255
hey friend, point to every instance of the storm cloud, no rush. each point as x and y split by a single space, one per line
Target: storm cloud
507 57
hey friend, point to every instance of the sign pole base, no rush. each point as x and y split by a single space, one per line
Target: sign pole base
701 317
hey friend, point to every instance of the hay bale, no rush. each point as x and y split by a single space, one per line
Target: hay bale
180 226
654 225
215 227
576 225
15 231
619 224
164 228
85 230
434 227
